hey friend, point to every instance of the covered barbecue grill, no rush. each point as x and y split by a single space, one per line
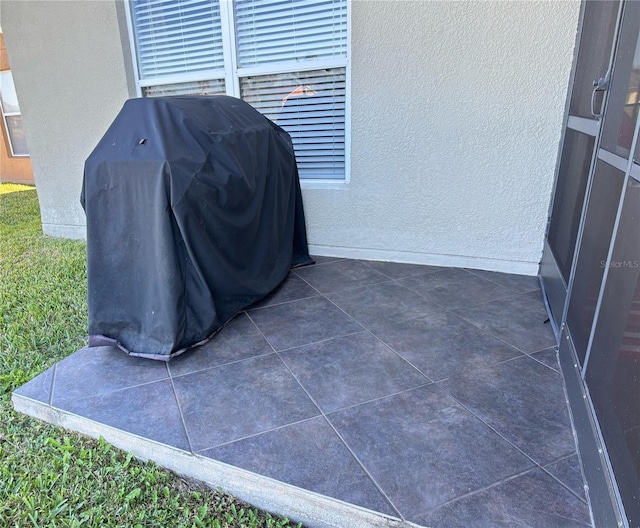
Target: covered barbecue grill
194 212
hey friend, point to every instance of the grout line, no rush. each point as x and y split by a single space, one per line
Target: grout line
232 362
476 491
249 309
359 462
120 389
536 464
366 471
254 435
324 416
184 423
321 341
53 384
582 499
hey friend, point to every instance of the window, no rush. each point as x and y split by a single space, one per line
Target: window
287 58
11 115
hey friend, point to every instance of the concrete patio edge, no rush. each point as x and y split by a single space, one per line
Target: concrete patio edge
299 505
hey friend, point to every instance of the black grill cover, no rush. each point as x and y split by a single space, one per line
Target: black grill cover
194 212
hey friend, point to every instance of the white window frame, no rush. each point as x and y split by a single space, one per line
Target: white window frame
6 127
232 75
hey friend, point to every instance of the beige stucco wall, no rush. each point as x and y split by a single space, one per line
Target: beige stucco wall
68 67
456 117
457 110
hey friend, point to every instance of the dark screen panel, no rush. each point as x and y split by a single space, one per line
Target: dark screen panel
613 371
567 204
601 214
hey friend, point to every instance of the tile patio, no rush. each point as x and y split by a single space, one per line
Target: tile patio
360 393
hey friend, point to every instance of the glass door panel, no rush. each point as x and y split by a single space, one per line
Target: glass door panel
613 372
624 104
594 53
598 228
598 29
573 175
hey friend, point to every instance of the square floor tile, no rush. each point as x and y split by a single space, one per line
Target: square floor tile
240 399
518 320
524 401
516 283
399 270
568 472
94 371
381 302
533 500
149 411
239 339
443 344
423 449
293 288
454 288
345 371
302 322
309 455
340 275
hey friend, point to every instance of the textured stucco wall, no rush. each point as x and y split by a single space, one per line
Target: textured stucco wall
456 116
457 110
68 67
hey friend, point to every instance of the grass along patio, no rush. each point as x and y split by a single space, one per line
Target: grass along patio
50 476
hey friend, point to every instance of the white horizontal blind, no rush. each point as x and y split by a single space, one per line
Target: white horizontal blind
213 87
269 31
310 106
289 59
177 36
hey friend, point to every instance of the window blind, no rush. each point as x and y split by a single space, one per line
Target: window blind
269 31
310 106
214 87
177 36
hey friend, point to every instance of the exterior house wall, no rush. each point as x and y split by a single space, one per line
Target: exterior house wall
456 112
12 169
68 67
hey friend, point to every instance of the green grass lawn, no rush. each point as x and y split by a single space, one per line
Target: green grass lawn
48 476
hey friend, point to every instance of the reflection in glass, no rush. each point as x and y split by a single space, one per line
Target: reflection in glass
17 136
594 247
599 23
8 96
624 100
213 87
310 106
569 196
613 371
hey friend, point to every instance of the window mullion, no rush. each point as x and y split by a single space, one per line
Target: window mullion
229 48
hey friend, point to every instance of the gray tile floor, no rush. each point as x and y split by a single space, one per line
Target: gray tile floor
428 394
